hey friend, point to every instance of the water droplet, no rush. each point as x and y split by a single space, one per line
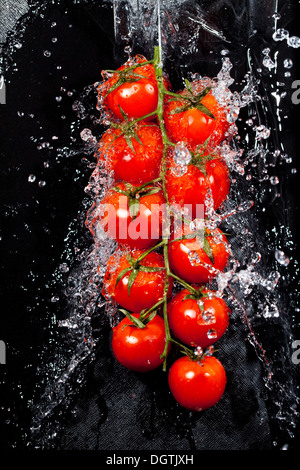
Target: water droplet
179 170
271 311
54 40
47 53
294 41
212 334
42 184
266 51
193 257
280 34
245 206
274 180
288 63
63 267
182 155
262 132
209 315
277 16
198 351
210 350
281 257
127 50
31 178
268 62
86 135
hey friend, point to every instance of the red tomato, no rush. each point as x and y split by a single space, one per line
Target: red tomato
194 187
139 349
134 220
197 384
147 288
197 326
192 261
139 163
136 94
193 126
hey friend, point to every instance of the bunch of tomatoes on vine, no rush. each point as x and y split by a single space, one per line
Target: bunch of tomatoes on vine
162 150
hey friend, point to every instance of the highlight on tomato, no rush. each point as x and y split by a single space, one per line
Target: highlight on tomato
197 384
198 318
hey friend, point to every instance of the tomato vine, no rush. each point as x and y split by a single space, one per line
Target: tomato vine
199 157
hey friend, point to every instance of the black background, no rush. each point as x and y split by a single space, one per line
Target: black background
111 409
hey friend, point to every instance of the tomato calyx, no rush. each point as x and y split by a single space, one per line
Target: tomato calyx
135 267
138 321
196 354
193 101
198 295
127 75
201 156
128 128
135 193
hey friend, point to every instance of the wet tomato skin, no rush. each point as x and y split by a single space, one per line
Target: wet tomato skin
137 97
190 262
141 231
138 165
197 384
194 127
148 287
191 189
139 349
193 327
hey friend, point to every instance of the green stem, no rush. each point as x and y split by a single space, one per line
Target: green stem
155 306
145 253
184 283
136 190
159 112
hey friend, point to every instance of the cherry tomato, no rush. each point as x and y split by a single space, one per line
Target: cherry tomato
134 156
147 288
132 219
134 91
198 322
139 349
199 259
192 125
197 384
202 186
